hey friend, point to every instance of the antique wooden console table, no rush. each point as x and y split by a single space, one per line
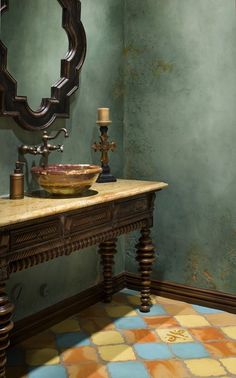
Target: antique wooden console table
34 230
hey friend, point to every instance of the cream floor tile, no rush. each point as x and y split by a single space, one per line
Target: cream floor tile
192 320
174 335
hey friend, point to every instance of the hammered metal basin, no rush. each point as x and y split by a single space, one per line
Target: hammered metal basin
66 179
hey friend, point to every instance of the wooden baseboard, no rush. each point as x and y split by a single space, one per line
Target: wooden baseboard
203 297
38 322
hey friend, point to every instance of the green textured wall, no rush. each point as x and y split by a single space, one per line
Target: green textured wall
101 80
180 128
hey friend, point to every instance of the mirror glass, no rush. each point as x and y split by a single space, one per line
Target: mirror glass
29 29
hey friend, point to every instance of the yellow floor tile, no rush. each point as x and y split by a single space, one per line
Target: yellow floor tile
46 356
107 337
174 335
69 325
120 311
192 320
230 331
205 367
230 364
116 353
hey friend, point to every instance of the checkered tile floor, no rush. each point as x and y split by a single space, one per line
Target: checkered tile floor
174 340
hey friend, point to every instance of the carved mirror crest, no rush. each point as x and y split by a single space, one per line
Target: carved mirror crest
17 106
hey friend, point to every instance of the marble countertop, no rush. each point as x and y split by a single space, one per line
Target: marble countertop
15 211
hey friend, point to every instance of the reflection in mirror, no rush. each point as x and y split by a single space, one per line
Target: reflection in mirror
29 29
58 103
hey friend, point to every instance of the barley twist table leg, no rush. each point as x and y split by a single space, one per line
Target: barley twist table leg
6 309
107 251
145 257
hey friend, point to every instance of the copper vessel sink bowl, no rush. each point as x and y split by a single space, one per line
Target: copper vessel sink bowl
66 179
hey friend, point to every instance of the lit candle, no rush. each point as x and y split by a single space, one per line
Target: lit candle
103 115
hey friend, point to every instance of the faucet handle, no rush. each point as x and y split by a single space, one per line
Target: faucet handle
60 147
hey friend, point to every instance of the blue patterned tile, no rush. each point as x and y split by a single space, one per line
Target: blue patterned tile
48 372
15 357
154 311
189 350
68 340
206 310
127 369
153 351
132 322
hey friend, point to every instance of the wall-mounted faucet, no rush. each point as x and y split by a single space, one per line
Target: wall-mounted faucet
45 148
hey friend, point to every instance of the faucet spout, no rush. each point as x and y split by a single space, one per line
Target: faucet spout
62 130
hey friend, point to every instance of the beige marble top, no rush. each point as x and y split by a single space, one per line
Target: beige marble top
15 211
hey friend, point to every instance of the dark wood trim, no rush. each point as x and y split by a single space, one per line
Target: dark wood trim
59 102
40 321
189 294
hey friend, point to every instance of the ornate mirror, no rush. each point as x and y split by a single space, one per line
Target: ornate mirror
29 65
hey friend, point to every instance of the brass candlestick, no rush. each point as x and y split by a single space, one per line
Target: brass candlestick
104 146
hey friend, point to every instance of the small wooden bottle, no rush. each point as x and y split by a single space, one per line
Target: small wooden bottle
17 182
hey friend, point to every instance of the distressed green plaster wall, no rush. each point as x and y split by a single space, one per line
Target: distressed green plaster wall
180 128
101 85
179 88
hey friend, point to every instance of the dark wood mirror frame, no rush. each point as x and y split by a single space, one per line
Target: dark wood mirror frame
59 103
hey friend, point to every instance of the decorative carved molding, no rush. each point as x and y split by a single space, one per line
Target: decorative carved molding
35 234
39 254
59 103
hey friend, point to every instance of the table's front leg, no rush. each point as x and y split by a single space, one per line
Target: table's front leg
107 251
6 324
145 257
